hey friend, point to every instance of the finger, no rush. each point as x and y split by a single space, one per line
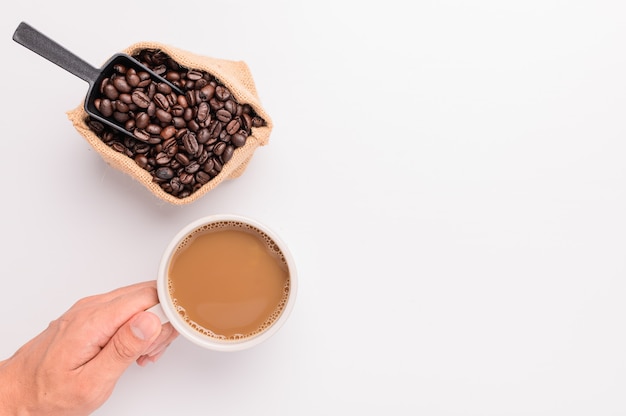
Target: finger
108 317
128 344
115 293
168 334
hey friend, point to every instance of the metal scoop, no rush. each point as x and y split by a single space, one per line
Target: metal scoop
39 43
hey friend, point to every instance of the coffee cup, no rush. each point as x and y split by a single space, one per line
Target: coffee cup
226 283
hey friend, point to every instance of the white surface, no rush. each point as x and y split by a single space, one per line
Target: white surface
449 175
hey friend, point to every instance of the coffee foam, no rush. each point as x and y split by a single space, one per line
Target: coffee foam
272 247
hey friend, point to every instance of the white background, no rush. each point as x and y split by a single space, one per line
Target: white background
450 176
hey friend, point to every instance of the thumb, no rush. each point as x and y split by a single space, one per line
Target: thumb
129 342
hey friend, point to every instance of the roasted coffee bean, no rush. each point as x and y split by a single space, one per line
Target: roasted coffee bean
217 164
121 106
175 164
162 158
257 122
176 185
193 125
165 173
106 107
161 101
154 129
192 167
246 121
182 159
121 85
204 113
177 110
207 92
141 160
202 177
186 178
145 79
227 154
216 104
142 135
154 140
188 114
142 120
179 122
223 115
215 128
170 147
151 110
231 107
233 126
132 78
168 131
164 88
108 136
238 139
190 96
142 148
190 142
222 93
204 156
208 165
194 75
110 92
219 148
141 99
130 124
203 135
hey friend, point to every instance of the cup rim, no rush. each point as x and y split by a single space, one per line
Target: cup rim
203 340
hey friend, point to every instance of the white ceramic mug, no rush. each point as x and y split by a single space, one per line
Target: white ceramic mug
166 311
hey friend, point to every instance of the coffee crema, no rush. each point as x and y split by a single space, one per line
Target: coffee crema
228 280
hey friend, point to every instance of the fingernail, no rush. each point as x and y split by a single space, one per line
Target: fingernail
144 326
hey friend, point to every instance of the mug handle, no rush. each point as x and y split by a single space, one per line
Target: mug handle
158 311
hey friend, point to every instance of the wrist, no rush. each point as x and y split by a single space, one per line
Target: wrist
9 392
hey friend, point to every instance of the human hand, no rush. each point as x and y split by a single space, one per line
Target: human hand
71 368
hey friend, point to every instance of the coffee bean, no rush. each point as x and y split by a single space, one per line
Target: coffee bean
223 115
162 158
141 134
106 107
238 139
227 154
111 92
219 148
192 167
207 92
165 173
168 131
141 160
233 126
141 99
142 120
121 85
190 143
154 129
204 113
161 101
222 93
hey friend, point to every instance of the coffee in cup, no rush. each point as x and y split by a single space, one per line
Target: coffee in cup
226 282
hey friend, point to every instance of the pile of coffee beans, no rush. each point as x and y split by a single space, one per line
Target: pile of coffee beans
182 140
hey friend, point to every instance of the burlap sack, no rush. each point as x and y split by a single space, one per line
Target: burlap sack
233 74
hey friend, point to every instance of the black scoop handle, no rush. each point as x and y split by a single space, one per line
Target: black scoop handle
39 43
